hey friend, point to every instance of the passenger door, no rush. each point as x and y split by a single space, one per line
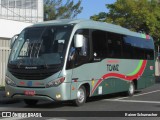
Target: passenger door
78 58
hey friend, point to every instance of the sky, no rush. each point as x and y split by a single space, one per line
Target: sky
92 7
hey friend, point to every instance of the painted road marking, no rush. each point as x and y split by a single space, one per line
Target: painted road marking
12 118
137 95
56 119
134 101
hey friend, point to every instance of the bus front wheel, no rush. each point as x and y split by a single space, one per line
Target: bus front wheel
131 89
30 102
81 96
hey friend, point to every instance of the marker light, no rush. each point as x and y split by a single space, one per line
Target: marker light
55 83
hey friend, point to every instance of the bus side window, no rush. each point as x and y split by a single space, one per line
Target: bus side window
82 54
99 45
114 45
79 56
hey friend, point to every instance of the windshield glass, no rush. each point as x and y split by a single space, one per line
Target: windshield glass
40 46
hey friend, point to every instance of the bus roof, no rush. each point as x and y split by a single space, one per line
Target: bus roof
93 25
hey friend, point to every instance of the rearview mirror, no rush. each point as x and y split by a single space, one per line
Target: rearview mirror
78 41
13 39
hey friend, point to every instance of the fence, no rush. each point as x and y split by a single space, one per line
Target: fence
4 53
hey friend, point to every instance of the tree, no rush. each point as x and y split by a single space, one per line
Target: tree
136 15
57 9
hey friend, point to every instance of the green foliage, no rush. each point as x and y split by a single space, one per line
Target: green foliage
2 88
57 9
136 15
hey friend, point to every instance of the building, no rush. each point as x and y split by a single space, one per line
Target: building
22 10
15 15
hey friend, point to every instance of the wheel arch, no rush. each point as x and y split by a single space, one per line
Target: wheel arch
135 83
87 87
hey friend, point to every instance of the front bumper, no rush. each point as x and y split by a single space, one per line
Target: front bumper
49 94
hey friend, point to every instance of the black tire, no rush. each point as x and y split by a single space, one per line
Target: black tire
131 89
80 99
30 102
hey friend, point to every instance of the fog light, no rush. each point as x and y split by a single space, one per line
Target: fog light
58 96
7 93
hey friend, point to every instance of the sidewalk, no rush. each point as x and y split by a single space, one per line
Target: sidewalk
6 100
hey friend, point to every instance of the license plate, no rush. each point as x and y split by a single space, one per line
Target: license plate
29 92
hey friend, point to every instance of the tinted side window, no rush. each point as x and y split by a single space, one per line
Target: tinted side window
137 48
79 56
114 45
149 49
128 51
106 44
84 50
99 44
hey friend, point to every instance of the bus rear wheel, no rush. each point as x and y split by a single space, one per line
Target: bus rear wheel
30 102
81 96
131 89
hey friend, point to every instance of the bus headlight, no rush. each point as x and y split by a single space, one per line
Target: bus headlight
9 81
55 83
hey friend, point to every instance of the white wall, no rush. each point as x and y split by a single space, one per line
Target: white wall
9 28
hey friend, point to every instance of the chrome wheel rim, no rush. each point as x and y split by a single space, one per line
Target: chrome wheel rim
131 89
80 95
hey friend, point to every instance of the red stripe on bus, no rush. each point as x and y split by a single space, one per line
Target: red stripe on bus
117 75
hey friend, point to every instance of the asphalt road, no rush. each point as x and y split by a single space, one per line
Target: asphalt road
145 100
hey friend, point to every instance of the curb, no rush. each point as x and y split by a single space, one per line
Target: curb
6 100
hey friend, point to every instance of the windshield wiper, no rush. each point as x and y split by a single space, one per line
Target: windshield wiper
36 42
39 48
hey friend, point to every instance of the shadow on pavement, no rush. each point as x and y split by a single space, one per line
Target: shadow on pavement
157 79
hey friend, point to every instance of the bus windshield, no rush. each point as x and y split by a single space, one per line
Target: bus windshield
40 46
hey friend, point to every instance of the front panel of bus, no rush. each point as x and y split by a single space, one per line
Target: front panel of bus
35 64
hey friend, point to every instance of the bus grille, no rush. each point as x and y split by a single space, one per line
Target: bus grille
36 74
